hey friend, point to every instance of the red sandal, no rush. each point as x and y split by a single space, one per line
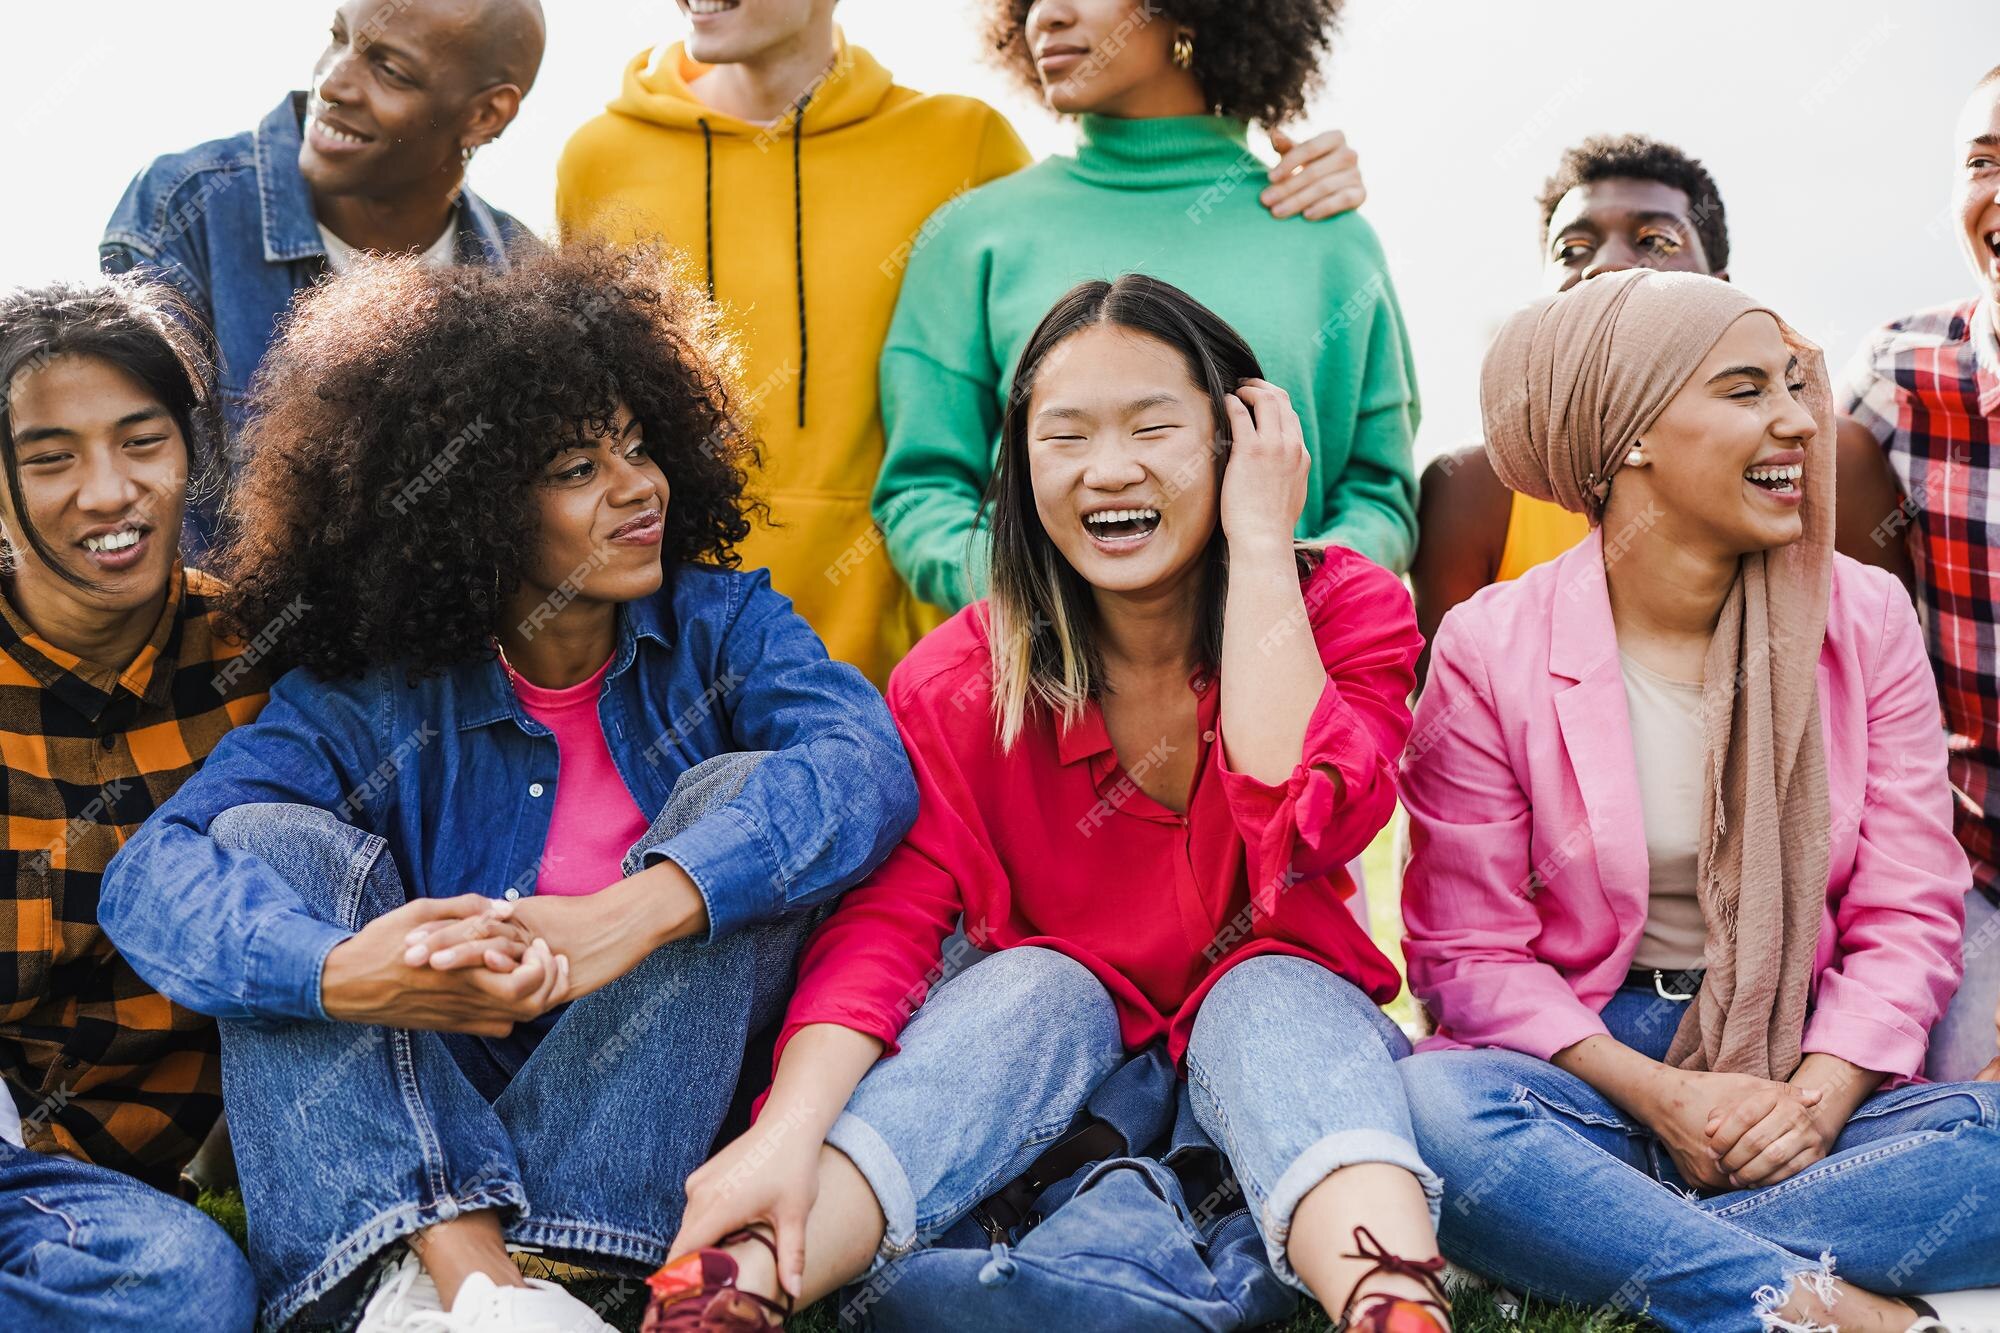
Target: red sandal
1395 1314
697 1293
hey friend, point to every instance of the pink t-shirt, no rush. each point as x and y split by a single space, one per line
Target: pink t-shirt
595 821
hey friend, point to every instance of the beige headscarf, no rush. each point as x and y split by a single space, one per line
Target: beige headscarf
1569 385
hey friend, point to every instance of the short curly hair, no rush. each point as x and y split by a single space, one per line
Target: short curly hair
1257 62
401 423
1636 157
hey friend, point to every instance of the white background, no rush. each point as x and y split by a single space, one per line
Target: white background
1827 125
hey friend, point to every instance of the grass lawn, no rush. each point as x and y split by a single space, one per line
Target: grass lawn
1477 1312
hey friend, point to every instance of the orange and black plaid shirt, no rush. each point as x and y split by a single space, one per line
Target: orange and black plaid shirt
100 1065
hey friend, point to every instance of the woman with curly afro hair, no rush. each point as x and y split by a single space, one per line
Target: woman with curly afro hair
1161 183
493 894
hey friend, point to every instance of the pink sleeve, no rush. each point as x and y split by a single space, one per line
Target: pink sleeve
1366 633
1899 924
1468 910
871 962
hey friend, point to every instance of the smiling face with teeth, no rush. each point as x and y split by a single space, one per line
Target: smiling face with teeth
102 468
733 32
400 89
1725 466
1122 457
1976 186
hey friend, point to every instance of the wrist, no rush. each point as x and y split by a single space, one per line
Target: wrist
1657 1089
660 904
344 983
1257 549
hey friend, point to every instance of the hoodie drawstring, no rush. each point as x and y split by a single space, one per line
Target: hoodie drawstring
708 204
799 244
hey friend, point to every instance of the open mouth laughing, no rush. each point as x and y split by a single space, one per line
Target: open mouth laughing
1121 529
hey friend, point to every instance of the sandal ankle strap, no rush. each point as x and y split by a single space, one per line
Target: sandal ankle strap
1429 1272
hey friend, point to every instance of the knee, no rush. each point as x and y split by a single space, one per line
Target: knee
1029 989
712 782
1275 998
1448 1093
265 824
1037 974
225 1291
182 1275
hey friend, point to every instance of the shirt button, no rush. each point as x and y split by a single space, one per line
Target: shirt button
70 1062
534 789
511 895
1208 736
108 741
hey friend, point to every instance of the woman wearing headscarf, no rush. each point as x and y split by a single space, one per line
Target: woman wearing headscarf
1684 900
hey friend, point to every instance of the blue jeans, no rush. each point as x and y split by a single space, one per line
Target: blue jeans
1291 1071
1552 1189
84 1249
1965 1038
349 1138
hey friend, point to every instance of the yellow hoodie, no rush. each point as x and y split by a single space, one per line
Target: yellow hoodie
802 239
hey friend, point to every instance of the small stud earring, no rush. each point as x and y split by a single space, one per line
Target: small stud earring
1183 54
1635 457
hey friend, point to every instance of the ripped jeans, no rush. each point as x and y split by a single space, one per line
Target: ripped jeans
1551 1189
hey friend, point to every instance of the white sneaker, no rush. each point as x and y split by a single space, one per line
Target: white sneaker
539 1307
406 1291
1975 1311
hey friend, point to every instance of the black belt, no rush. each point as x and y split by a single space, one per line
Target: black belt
1682 985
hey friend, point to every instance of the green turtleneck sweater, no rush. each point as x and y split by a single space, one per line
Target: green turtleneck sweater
1176 198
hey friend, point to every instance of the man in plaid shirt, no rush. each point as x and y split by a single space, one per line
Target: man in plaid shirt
1920 493
115 684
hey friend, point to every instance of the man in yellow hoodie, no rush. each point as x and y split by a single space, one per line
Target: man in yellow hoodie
798 178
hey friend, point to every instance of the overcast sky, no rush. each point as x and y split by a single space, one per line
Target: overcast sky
1827 125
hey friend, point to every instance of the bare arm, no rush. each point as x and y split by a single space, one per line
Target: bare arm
1871 523
1272 678
1462 516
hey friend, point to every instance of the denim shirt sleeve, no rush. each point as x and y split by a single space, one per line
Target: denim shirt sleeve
156 228
833 798
220 931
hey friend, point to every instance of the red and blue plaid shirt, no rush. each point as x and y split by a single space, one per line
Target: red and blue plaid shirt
1928 388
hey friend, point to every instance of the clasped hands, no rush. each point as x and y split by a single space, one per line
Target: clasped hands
1736 1131
480 965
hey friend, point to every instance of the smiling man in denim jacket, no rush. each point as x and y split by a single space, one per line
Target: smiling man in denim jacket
371 159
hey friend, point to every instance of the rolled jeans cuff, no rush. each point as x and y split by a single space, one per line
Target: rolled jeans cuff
1346 1147
877 1163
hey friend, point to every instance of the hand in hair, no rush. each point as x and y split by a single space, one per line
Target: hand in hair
1264 484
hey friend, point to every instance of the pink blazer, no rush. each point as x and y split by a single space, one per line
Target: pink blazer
1526 890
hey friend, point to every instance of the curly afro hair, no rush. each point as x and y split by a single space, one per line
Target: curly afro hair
1257 62
386 502
1635 157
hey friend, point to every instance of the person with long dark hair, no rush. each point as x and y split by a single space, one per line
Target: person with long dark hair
1144 764
116 681
541 743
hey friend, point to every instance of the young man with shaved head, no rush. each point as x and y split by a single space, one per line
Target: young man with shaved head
371 159
1919 490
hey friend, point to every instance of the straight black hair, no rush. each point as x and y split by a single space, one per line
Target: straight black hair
1040 610
141 326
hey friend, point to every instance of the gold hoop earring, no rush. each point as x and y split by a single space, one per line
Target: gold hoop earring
1183 54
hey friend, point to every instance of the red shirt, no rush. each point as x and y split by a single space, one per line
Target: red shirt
1055 845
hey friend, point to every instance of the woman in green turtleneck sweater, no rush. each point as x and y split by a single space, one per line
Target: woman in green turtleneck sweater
1159 184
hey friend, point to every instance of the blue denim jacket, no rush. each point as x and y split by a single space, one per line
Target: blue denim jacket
460 781
230 223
